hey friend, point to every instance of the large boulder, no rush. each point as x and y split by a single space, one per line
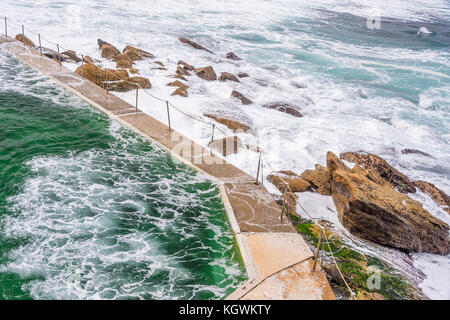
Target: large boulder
231 124
136 54
320 179
192 44
26 41
369 207
99 76
282 179
206 73
384 169
239 96
284 107
438 196
109 51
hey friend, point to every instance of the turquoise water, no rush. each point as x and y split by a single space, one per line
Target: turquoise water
89 210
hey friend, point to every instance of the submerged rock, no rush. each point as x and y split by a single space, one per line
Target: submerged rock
284 107
225 76
384 169
414 151
232 56
243 75
293 180
206 73
231 124
369 207
241 97
438 196
26 41
193 44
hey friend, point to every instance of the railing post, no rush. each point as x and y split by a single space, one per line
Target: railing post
23 33
316 256
137 97
212 133
107 88
40 45
59 56
6 28
82 66
168 115
259 165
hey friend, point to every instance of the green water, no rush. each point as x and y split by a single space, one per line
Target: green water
89 210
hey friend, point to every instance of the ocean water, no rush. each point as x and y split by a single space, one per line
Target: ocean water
379 90
89 210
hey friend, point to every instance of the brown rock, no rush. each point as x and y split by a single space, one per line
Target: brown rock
384 169
284 107
71 56
225 76
241 97
98 75
178 84
109 52
182 71
20 37
381 214
130 84
231 124
160 63
320 179
192 44
438 196
180 92
206 73
232 56
136 54
293 180
124 64
88 59
133 70
334 163
179 76
186 65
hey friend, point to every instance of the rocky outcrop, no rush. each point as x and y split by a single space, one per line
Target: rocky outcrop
369 207
206 73
130 84
232 56
136 54
231 124
225 76
25 40
193 44
98 75
182 92
71 56
284 107
109 51
293 180
186 65
320 179
438 196
384 169
237 95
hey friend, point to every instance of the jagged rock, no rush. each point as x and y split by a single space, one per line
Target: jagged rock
179 76
384 169
25 40
136 54
241 97
100 43
181 71
124 64
226 146
232 56
293 180
224 76
160 63
438 196
130 84
379 213
284 107
243 75
193 44
186 65
98 75
231 124
409 151
206 73
71 56
180 92
178 84
320 179
109 52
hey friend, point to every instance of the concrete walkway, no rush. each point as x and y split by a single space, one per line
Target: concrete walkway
277 259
